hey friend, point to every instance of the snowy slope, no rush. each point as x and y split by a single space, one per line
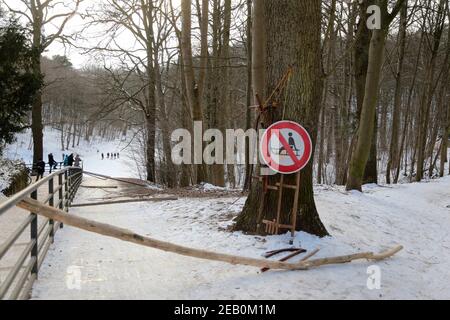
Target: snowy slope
414 215
124 167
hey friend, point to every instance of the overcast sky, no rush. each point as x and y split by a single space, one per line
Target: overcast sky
73 26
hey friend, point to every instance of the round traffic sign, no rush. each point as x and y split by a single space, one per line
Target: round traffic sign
286 147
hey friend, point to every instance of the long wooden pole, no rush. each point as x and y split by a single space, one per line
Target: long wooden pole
96 175
129 236
104 203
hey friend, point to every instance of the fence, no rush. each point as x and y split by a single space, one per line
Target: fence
19 280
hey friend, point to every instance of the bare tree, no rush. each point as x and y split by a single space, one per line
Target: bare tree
42 15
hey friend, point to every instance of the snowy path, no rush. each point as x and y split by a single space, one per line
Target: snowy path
10 222
415 216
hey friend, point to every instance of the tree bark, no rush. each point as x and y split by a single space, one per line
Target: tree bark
361 56
290 43
367 124
192 86
37 126
368 113
249 94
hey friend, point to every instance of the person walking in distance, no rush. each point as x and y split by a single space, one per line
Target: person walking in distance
77 161
103 156
71 160
51 162
40 169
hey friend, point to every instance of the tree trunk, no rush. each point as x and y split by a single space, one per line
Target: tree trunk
37 126
150 93
259 48
361 55
192 86
292 44
396 115
368 113
249 94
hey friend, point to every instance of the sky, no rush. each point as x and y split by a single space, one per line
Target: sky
75 25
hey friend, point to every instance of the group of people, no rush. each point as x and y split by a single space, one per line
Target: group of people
112 156
71 160
68 161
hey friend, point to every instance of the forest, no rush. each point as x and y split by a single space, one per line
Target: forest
369 80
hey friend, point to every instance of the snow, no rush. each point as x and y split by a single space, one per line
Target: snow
123 167
82 265
7 171
413 215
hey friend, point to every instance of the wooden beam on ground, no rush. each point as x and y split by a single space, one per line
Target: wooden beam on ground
104 203
100 187
129 236
94 176
115 179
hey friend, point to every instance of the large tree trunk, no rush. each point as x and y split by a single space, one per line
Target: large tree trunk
37 126
259 48
291 43
361 56
368 113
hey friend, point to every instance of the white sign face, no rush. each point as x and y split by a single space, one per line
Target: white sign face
286 147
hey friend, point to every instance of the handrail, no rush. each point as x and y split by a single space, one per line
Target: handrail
14 236
12 201
20 278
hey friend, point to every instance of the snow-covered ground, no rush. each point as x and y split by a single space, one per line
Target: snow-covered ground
82 265
87 266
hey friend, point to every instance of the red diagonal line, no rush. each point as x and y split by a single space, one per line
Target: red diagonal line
287 147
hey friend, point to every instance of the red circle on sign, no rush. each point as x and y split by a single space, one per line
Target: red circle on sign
299 163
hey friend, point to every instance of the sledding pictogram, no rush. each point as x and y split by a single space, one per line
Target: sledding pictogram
286 147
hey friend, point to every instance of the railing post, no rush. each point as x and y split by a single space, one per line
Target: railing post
51 203
61 195
34 237
66 191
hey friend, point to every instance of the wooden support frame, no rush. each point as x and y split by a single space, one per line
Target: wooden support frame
275 226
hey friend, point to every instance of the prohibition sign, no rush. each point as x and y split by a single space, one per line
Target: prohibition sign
286 147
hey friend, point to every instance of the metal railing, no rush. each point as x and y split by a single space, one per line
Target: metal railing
48 168
62 188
